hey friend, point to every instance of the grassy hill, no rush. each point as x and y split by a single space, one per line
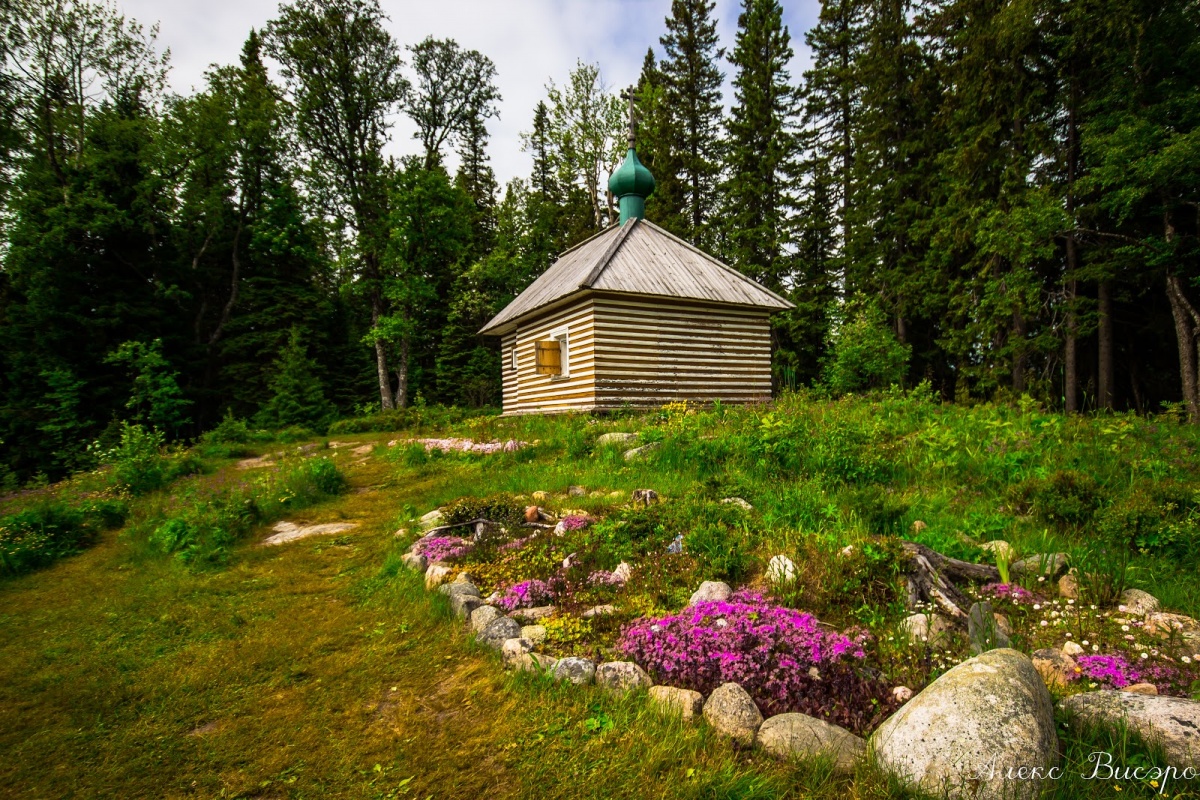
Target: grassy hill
172 656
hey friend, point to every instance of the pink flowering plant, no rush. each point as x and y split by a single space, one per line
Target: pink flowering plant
575 523
526 594
783 657
445 548
1017 595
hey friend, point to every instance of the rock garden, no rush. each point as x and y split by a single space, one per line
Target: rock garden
943 672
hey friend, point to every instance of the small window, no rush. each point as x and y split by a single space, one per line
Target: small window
513 358
553 355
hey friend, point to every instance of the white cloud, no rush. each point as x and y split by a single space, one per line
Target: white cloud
530 41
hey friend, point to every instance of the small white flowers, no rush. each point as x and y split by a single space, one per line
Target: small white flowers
1043 623
1124 627
1095 648
1041 578
1144 656
1069 636
1070 602
1085 642
1186 659
1037 606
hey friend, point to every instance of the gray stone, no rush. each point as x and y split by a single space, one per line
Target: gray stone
499 631
731 712
800 735
616 438
931 628
623 572
1068 586
532 614
576 491
1172 722
432 519
1050 565
456 587
644 497
1055 666
640 452
534 633
983 630
437 574
712 592
683 703
578 671
482 616
1137 602
739 502
781 569
464 605
622 676
960 736
514 649
1141 688
534 662
599 611
1000 549
415 561
1165 624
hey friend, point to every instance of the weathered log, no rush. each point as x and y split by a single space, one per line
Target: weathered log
444 528
930 577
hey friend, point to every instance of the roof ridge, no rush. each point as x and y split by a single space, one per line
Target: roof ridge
607 257
718 262
575 247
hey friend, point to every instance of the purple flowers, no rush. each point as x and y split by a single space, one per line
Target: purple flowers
526 594
1113 670
444 548
603 577
784 658
574 523
1007 591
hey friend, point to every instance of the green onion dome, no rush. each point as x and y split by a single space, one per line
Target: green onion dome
631 183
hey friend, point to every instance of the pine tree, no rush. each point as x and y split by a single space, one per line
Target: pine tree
763 152
692 154
476 178
297 393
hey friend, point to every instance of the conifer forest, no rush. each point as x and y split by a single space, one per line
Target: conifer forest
997 197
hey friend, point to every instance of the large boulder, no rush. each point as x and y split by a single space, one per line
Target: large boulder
712 591
483 616
437 574
622 676
781 569
1056 667
1172 722
574 670
1048 565
432 519
985 720
415 561
499 631
732 712
683 703
1137 602
788 735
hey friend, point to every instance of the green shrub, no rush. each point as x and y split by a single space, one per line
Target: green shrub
1067 498
231 431
499 508
138 462
43 534
881 511
402 419
865 354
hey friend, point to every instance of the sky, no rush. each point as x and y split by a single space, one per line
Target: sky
530 42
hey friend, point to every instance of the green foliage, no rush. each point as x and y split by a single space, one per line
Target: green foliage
297 395
141 463
1068 497
499 508
724 550
48 531
864 355
155 399
201 528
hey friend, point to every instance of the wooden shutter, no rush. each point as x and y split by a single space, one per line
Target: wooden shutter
549 357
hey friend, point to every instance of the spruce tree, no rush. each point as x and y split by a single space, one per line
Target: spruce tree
297 393
763 161
692 153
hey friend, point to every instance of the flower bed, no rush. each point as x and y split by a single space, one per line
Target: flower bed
782 657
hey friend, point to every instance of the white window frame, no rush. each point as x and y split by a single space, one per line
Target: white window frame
513 357
563 337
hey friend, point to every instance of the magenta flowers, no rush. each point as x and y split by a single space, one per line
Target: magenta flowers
784 658
1007 591
1112 670
526 594
445 548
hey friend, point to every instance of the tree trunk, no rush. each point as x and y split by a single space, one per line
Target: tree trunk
1186 339
402 375
386 400
1104 399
